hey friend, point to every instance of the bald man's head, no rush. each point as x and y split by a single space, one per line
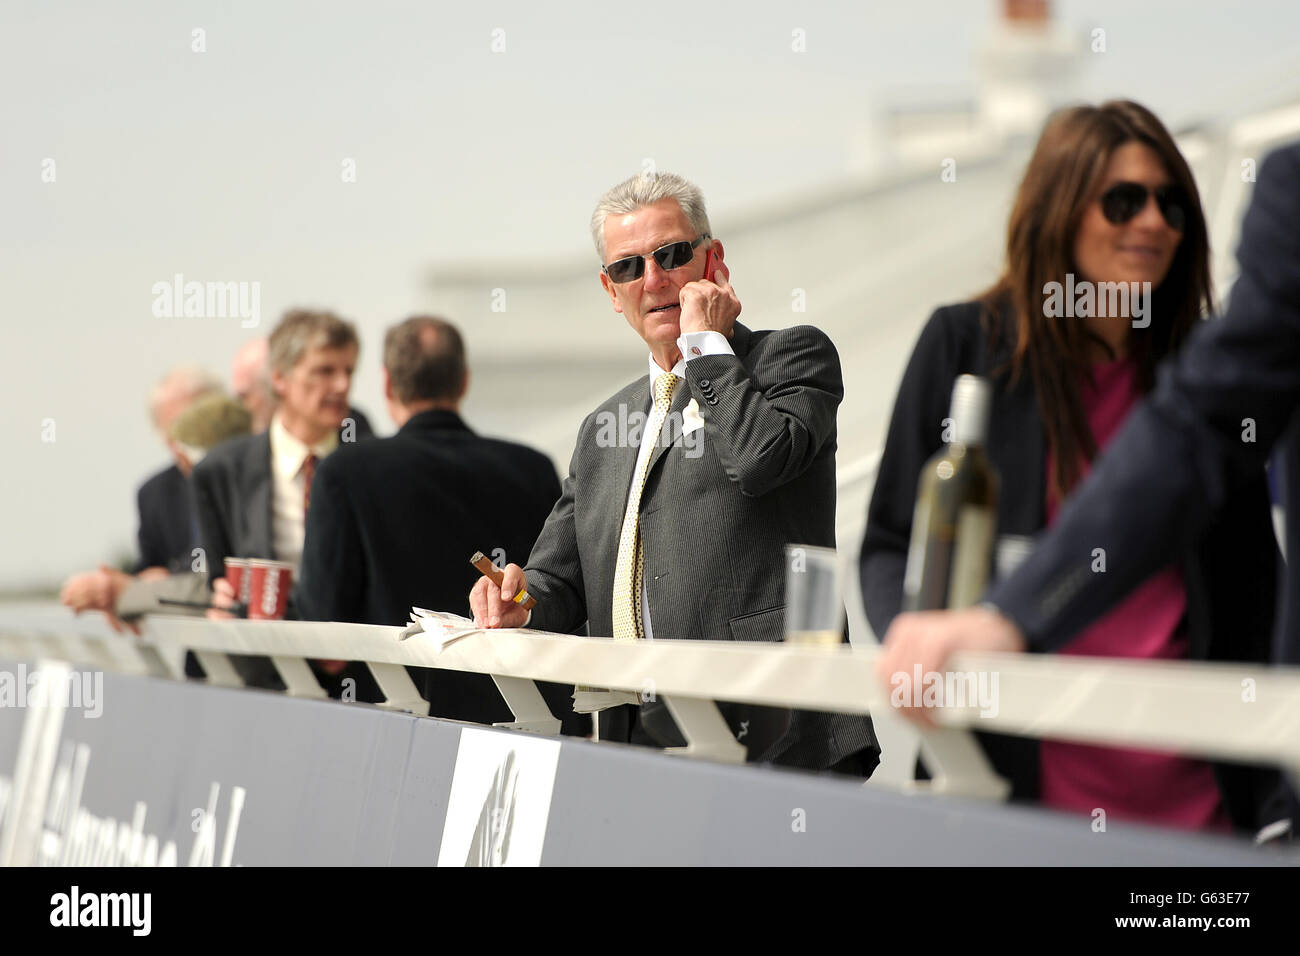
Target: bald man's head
175 391
250 378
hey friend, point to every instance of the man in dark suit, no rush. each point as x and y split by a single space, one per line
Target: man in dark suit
677 529
251 493
394 521
167 534
1218 412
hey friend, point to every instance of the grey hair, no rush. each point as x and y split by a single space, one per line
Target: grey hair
303 329
186 382
643 189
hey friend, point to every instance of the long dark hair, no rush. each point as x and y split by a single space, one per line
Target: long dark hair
1065 174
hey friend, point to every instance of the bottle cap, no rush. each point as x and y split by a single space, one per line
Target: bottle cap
971 397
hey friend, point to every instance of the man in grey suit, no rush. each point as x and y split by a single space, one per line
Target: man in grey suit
677 529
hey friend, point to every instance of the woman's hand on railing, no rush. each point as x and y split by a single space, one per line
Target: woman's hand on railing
493 606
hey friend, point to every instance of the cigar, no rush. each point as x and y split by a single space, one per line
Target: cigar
489 570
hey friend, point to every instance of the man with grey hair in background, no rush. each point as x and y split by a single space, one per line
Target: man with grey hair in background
250 379
167 534
252 493
661 535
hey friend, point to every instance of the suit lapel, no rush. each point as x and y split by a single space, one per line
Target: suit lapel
682 397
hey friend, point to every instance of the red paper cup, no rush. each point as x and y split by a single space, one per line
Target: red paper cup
237 575
268 588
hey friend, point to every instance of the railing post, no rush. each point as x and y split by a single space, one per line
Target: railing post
707 734
958 767
400 692
298 679
528 705
219 669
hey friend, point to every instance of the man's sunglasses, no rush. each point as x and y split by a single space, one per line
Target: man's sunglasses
1123 201
672 256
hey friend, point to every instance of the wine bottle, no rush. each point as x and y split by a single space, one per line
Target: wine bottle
951 551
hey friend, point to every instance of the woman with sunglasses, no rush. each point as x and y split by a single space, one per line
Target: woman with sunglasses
1106 198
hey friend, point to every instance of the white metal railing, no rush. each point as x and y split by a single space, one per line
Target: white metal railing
1241 712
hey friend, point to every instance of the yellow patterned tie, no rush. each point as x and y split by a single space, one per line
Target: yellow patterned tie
628 573
630 568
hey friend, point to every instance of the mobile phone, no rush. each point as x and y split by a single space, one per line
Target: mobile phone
710 264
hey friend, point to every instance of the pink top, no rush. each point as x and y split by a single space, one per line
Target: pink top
1137 785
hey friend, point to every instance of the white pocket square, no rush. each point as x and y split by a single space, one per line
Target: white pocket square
691 418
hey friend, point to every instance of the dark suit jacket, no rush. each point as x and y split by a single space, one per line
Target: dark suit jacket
232 496
393 523
168 533
715 515
1188 453
1229 568
232 501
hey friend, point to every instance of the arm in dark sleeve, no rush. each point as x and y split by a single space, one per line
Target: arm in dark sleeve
153 550
915 434
768 436
209 508
331 578
1188 447
554 571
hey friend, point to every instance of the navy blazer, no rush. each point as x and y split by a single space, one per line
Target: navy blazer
168 532
393 523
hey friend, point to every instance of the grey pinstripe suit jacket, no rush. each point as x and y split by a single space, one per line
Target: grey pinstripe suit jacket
715 515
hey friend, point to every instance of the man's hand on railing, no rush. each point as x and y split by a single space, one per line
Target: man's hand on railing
99 590
928 638
492 606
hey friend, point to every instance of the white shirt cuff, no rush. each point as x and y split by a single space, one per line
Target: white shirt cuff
699 344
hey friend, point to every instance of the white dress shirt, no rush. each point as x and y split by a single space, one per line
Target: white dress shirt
288 485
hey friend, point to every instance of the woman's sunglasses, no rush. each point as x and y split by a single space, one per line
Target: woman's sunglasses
672 256
1123 201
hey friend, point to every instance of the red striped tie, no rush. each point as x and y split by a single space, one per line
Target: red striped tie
308 473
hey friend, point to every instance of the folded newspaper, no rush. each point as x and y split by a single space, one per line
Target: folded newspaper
446 628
